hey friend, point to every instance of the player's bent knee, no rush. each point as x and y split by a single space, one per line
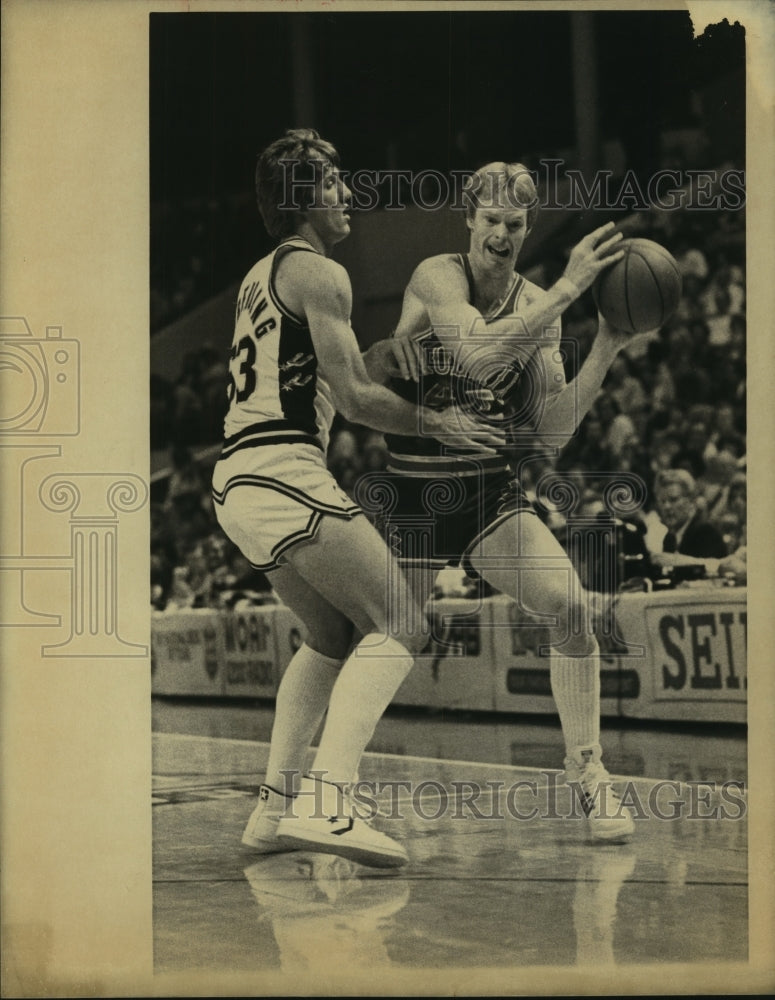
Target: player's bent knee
557 603
332 639
579 646
415 643
572 632
416 638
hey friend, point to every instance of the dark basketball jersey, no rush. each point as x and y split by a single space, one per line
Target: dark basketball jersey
444 384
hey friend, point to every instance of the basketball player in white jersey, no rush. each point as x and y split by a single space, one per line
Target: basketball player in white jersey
294 360
474 330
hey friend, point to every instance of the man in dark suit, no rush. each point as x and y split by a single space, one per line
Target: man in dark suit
690 540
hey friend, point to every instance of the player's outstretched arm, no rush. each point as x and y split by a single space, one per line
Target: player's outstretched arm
567 408
440 287
399 356
325 297
589 258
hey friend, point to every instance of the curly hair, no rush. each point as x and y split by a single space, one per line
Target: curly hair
286 174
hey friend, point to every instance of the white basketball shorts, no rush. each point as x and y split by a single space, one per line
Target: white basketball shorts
271 497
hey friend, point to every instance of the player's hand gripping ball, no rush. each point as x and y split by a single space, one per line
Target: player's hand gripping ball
641 291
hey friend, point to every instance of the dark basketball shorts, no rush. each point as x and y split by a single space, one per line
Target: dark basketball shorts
442 518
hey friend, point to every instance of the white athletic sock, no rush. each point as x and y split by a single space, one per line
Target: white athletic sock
576 688
366 685
302 699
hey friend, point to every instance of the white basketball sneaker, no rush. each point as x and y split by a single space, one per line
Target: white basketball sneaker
324 819
261 830
607 818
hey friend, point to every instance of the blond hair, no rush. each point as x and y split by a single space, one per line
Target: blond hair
504 185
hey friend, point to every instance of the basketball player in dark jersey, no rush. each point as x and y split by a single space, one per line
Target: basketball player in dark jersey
474 331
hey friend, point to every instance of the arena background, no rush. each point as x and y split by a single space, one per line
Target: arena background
444 92
439 91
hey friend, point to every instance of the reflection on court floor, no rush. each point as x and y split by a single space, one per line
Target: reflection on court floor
692 752
502 874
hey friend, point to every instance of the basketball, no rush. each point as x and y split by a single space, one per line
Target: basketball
641 291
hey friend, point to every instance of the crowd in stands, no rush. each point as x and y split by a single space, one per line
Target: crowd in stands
197 248
678 402
189 410
193 564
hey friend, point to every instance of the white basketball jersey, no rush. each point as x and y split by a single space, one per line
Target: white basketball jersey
276 392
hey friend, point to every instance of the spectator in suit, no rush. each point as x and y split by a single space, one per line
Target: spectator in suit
690 540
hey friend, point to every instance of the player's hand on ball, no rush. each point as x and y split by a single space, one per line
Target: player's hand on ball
641 292
620 337
592 255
